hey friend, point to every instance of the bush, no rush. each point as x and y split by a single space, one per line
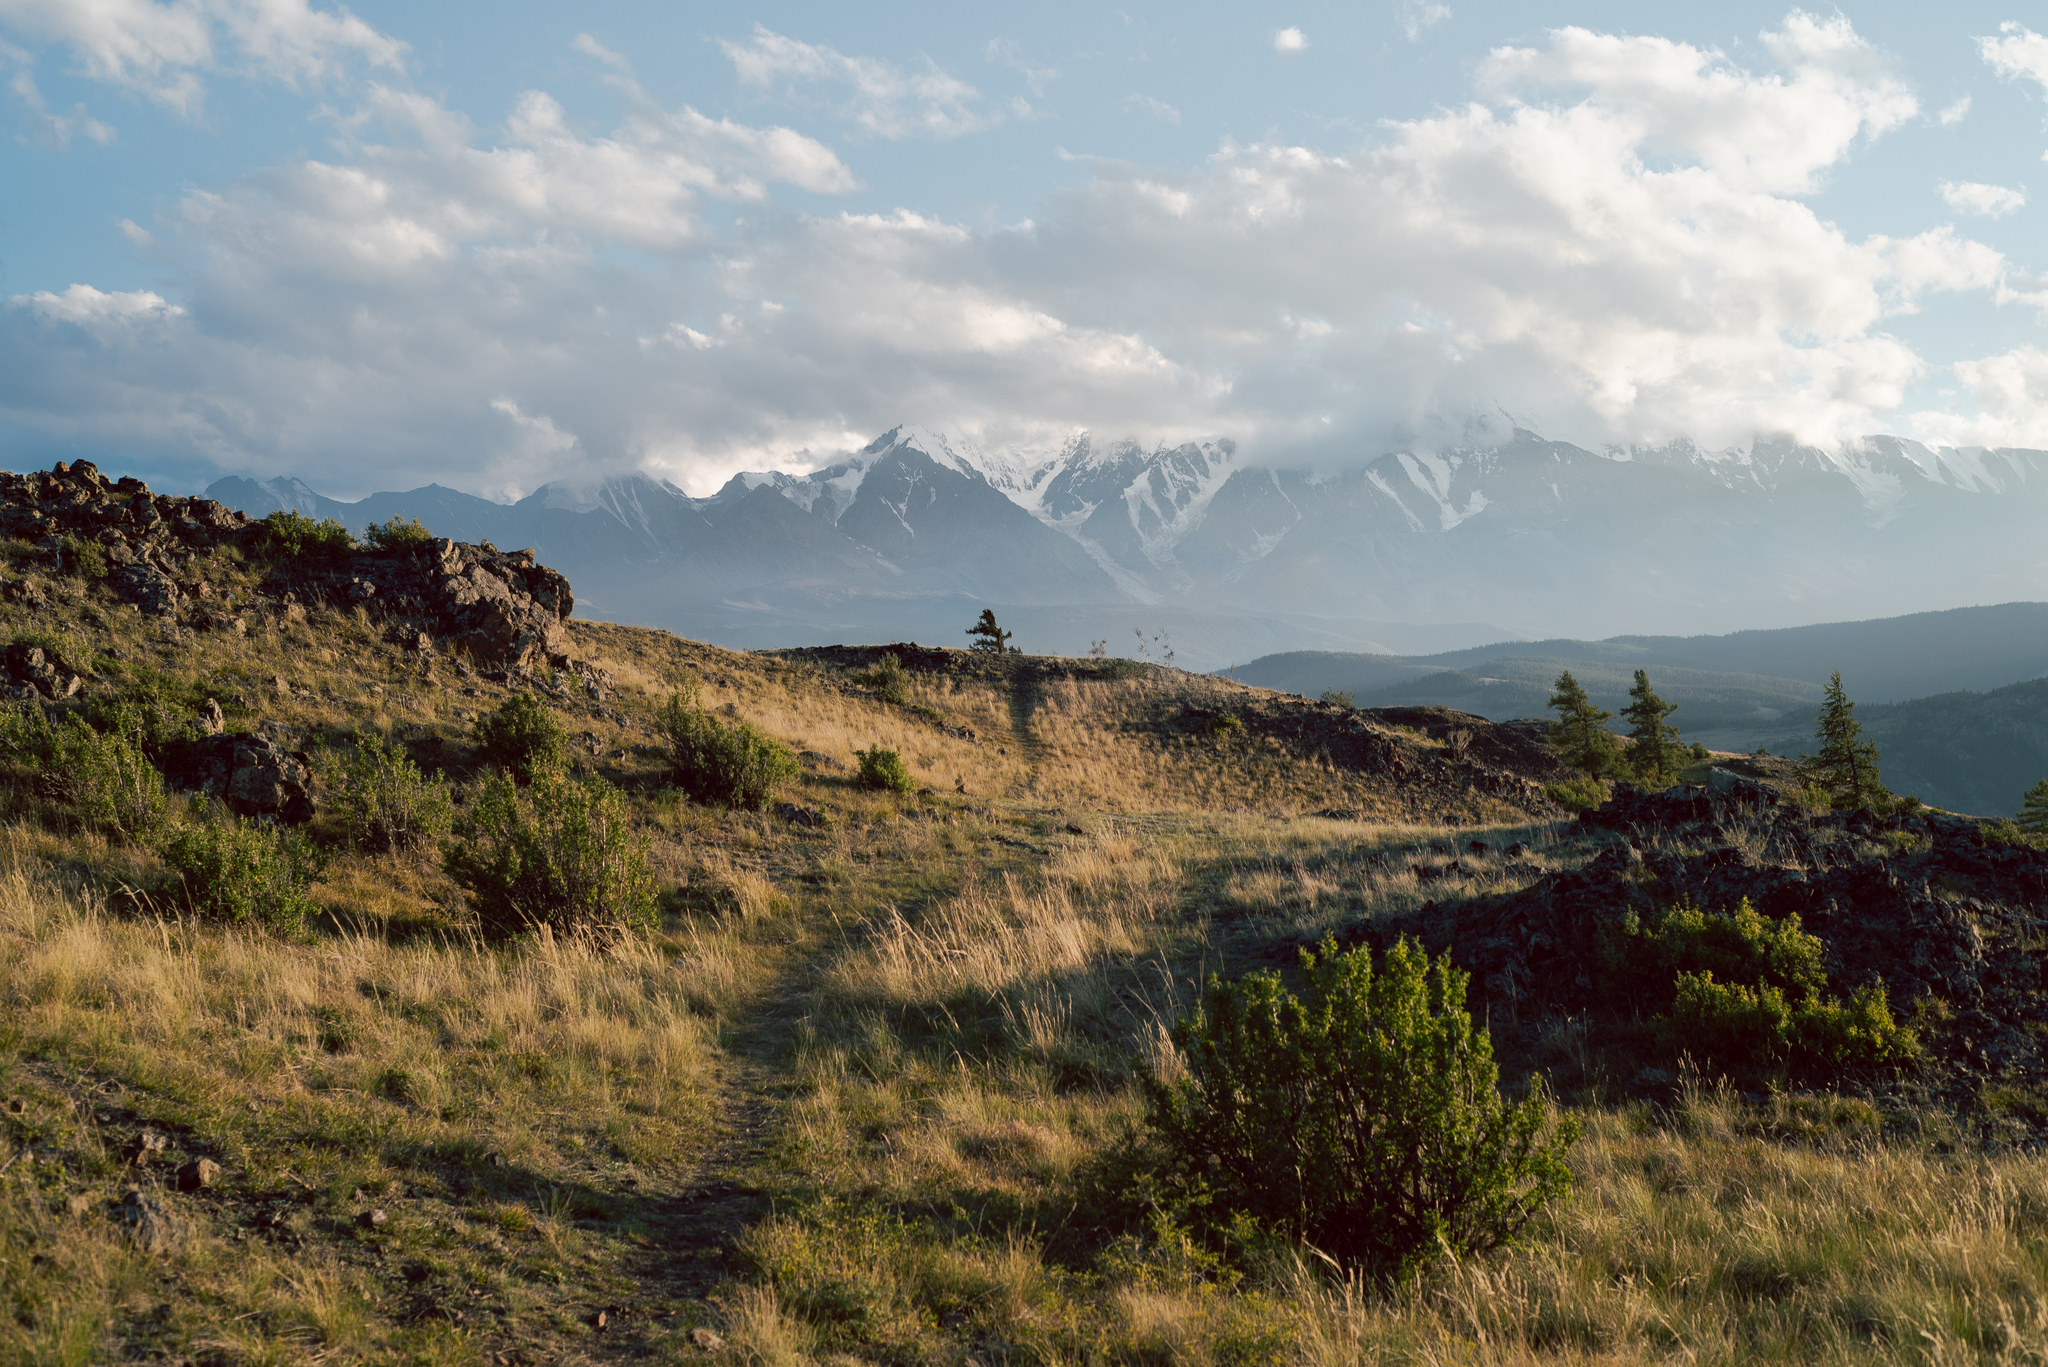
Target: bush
725 763
888 678
884 769
1223 726
1339 697
1580 793
524 737
1748 993
104 777
561 855
1362 1119
88 559
290 533
241 871
384 803
397 535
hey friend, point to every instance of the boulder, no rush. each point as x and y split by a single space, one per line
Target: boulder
252 774
150 1222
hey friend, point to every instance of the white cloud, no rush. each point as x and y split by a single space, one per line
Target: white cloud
2020 52
1955 113
54 130
1974 197
1158 109
1010 53
2010 394
162 49
1419 16
1289 40
1612 245
878 98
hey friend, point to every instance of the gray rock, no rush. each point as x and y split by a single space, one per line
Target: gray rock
150 1222
198 1174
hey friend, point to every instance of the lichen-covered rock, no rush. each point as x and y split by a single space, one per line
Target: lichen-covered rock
252 774
506 609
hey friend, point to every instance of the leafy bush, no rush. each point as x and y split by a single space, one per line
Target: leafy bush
888 678
243 871
384 803
87 559
1362 1118
1339 697
561 855
103 776
397 535
524 737
1580 793
1223 726
1749 993
729 763
884 769
290 533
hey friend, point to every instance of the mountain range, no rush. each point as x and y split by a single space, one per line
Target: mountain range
1202 549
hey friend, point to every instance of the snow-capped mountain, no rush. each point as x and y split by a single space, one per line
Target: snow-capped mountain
1536 537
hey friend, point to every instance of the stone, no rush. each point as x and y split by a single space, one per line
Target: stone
79 1207
198 1174
809 817
150 1222
254 775
494 1160
372 1219
212 721
706 1339
145 1146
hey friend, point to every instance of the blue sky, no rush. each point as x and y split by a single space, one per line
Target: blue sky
493 245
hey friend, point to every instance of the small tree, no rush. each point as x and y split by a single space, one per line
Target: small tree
523 736
990 639
385 803
713 761
1845 769
1580 734
2033 817
1362 1119
562 855
1654 752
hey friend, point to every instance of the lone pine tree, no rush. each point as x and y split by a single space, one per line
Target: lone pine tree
1580 733
1845 769
990 638
1654 752
2033 817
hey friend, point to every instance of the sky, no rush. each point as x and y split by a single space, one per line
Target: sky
496 245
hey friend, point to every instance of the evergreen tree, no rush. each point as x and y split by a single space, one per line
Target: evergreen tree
990 639
1846 767
2033 817
1654 753
1579 734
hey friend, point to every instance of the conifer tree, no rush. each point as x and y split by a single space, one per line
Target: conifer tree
1579 734
2033 817
1654 750
1846 767
990 638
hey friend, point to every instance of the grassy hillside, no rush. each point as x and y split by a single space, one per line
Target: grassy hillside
860 1093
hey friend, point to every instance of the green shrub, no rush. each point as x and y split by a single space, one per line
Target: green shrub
243 871
290 533
728 763
1579 793
1748 993
87 559
1339 697
561 855
888 678
103 776
1362 1118
397 535
524 737
1224 725
883 769
384 803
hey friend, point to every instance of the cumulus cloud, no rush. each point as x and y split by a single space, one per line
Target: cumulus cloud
1158 109
2017 51
1290 40
1974 197
1611 242
1419 16
161 50
2010 399
1955 113
877 97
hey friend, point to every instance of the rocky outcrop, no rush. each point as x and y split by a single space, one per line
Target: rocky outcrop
252 775
34 674
504 609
